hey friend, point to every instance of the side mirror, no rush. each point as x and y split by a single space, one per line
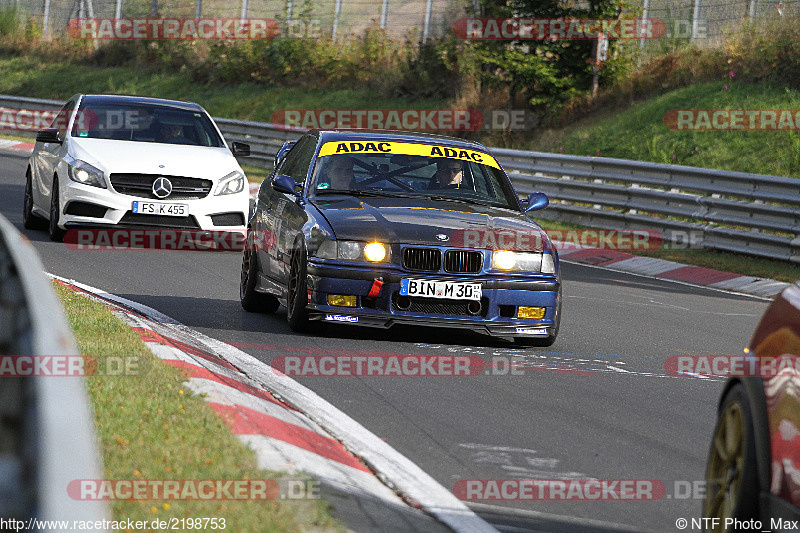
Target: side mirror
49 135
282 152
285 184
536 201
240 149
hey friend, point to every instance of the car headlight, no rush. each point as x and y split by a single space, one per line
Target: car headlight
231 184
374 252
82 172
523 261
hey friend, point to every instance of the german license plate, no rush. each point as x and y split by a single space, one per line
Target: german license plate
157 208
451 290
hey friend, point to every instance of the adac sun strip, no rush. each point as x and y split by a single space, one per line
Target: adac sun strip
428 150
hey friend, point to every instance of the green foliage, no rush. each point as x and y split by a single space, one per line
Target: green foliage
430 70
546 73
9 20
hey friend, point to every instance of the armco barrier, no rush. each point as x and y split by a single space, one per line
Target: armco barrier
47 436
734 211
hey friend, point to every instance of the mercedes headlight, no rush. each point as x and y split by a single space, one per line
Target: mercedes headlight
373 252
231 184
523 261
82 172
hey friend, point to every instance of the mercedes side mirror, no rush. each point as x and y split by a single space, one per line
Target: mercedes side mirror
49 135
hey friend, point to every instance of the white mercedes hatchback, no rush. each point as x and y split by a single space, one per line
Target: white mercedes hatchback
125 161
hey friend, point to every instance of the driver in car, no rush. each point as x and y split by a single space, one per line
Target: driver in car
449 173
338 174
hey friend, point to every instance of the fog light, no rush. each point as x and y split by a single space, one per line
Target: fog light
535 313
342 300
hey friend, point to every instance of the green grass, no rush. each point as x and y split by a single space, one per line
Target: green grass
256 174
151 426
30 76
639 132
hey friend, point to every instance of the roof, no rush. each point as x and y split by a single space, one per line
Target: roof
105 99
396 136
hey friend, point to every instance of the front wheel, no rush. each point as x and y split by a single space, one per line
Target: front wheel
252 301
731 475
56 233
297 299
29 219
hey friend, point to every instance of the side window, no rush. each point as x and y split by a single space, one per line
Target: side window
62 119
299 159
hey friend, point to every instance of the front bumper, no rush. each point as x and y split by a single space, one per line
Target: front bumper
501 296
118 209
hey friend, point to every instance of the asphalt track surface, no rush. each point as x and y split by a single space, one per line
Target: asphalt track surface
597 404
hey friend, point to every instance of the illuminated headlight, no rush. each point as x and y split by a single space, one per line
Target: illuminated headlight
374 252
231 184
82 172
518 261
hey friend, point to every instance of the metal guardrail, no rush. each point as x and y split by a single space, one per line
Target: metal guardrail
733 211
47 436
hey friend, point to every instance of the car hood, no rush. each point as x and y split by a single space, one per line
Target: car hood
113 156
420 221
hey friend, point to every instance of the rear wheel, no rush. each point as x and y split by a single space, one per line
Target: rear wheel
297 299
29 219
252 301
731 475
56 233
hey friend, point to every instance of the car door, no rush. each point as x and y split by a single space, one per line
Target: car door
46 157
288 213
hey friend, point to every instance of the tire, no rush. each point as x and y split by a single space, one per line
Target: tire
56 233
252 301
731 473
296 313
29 219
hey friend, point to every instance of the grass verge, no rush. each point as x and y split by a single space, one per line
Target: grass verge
150 426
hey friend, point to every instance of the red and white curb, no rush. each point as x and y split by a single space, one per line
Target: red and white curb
669 270
290 427
8 144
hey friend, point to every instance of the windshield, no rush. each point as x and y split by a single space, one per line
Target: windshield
442 178
145 123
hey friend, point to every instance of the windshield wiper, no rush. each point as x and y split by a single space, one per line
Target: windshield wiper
358 192
463 201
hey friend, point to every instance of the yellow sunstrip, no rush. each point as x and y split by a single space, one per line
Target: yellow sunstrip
428 150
